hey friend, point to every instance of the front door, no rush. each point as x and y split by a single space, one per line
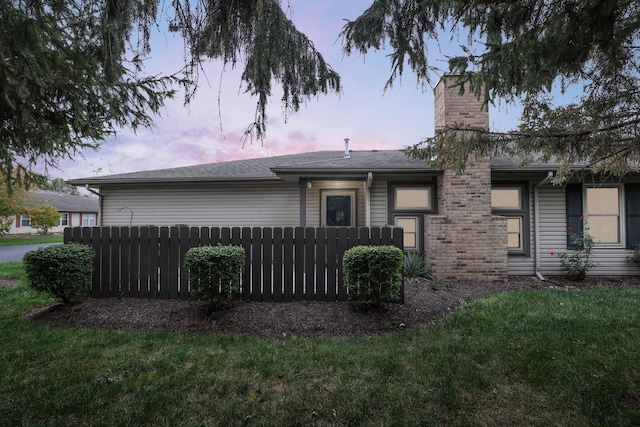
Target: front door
338 208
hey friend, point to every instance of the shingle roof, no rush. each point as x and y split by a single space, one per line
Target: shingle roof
267 168
66 202
273 168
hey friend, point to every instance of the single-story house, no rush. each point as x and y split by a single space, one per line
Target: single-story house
495 219
73 210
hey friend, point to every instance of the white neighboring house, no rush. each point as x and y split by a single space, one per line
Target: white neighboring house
74 211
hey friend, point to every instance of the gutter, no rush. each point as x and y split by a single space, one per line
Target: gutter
99 194
536 212
367 199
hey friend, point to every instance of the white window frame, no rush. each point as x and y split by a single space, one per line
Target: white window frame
621 214
25 221
66 216
86 219
323 205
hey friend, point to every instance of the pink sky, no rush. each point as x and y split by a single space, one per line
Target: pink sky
204 133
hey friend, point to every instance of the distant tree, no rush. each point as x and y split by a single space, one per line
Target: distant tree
12 203
59 186
518 50
43 217
71 72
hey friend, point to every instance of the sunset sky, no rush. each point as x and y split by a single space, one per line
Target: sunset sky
210 129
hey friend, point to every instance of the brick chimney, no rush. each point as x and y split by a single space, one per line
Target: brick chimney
464 241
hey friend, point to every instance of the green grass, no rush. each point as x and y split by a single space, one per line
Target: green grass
12 270
521 358
27 239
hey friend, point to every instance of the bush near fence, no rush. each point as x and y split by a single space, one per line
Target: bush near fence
281 263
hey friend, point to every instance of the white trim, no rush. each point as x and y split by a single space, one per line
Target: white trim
323 204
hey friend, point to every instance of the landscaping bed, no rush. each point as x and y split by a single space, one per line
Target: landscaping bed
425 303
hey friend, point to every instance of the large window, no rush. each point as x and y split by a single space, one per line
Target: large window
603 214
510 200
413 198
611 212
408 202
89 219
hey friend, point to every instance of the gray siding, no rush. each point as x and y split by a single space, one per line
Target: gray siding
238 204
313 199
379 208
609 261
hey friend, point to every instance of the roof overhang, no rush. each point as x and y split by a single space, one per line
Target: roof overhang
297 174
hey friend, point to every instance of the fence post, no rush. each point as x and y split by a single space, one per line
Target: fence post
288 279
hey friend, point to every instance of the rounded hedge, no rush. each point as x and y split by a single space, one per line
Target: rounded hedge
64 271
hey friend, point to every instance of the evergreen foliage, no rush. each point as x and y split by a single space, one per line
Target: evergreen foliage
518 50
72 74
215 272
64 271
373 274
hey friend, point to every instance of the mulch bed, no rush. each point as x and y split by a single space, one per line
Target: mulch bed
425 303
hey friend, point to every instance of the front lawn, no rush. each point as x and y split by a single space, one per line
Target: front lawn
30 239
549 357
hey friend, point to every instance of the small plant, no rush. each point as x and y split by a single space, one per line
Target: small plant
64 271
373 274
416 267
214 272
578 262
635 255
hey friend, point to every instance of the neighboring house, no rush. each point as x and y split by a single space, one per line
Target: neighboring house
74 211
496 218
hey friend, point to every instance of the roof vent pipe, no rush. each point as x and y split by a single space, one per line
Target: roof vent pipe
347 155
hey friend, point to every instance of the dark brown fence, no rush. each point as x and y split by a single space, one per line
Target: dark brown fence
282 264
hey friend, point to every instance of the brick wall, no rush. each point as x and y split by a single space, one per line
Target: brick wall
465 241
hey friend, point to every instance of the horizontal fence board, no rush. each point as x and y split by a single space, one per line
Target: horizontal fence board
281 263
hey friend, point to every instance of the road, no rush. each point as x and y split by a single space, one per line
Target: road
16 253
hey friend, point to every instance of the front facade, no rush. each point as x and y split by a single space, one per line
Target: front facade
493 220
74 211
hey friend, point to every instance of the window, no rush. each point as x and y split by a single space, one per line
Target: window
25 221
412 198
603 212
64 219
338 208
89 219
410 228
408 203
510 200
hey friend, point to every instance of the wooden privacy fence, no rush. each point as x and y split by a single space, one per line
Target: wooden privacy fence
282 263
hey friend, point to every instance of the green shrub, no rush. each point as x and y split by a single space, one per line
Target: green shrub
578 262
214 272
635 256
373 274
415 266
64 271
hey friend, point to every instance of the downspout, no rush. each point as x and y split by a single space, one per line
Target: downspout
99 194
536 212
367 199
